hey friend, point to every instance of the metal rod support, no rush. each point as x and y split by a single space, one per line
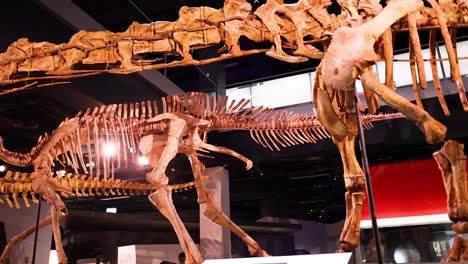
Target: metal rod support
370 196
37 229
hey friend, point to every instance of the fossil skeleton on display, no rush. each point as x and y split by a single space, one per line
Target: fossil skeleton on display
352 42
19 184
158 130
292 26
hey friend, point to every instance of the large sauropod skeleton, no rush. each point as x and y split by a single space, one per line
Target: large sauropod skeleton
292 26
158 130
334 96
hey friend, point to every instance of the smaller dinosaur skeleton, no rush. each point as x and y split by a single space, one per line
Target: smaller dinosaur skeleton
159 131
18 183
452 165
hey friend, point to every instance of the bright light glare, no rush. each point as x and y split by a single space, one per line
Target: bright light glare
400 255
92 164
111 210
53 258
109 149
62 172
2 168
143 161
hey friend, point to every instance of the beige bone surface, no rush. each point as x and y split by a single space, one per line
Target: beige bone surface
177 127
339 71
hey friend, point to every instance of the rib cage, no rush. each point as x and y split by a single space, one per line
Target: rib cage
122 125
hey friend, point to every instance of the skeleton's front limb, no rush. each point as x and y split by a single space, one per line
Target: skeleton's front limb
355 187
459 251
432 129
213 212
162 199
54 213
324 109
42 185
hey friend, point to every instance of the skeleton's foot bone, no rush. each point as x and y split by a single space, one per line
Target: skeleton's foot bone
214 213
459 251
432 129
350 236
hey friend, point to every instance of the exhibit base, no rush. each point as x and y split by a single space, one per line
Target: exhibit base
151 254
337 258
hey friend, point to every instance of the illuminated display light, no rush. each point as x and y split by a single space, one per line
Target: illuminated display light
111 210
109 149
143 161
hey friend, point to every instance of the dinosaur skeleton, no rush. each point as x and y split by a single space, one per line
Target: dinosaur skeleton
159 134
293 26
18 183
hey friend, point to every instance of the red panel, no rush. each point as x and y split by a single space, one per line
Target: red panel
410 188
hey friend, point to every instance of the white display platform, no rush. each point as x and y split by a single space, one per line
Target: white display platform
148 254
335 258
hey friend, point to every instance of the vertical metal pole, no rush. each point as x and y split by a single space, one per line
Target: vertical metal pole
37 229
370 196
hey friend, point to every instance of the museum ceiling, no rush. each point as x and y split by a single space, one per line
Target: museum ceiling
300 182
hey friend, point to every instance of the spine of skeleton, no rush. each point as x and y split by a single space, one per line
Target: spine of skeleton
18 185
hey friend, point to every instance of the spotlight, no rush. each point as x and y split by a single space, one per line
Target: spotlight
61 172
111 210
2 168
143 161
109 149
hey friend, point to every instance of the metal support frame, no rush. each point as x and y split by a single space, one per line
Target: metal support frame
370 196
36 230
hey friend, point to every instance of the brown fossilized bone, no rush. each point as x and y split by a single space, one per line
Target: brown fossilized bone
285 25
452 164
337 75
199 27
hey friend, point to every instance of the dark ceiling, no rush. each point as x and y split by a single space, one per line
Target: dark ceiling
301 182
